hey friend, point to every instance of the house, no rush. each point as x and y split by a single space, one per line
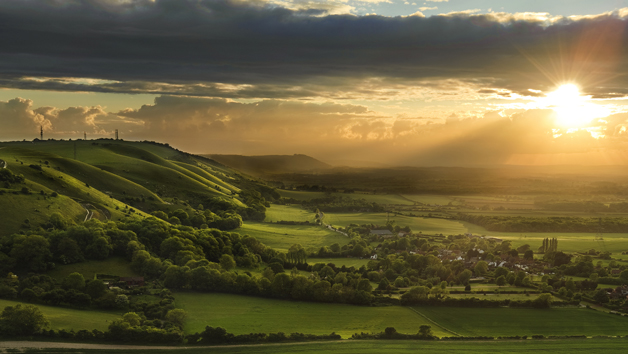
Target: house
374 257
133 281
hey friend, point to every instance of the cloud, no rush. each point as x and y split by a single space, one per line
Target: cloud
19 119
161 46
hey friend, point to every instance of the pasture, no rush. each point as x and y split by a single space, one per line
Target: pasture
68 318
558 346
339 262
288 213
389 199
241 314
113 266
427 226
523 321
281 237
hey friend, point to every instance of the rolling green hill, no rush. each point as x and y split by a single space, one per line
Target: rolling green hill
113 179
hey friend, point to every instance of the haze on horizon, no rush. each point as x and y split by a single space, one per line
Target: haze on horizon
453 83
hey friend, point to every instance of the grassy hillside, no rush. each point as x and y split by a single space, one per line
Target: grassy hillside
109 177
271 164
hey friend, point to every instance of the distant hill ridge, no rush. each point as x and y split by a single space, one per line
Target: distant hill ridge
270 164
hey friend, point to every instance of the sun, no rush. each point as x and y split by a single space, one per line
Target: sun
573 110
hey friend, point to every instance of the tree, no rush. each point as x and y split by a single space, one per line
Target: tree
227 262
529 255
95 288
74 281
177 317
23 320
481 268
500 281
464 276
425 331
31 252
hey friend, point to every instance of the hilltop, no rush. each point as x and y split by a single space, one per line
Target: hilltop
112 180
264 165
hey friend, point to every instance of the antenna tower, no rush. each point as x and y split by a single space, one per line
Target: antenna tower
41 132
116 134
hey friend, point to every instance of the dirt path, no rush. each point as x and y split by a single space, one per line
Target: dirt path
3 164
49 345
90 213
434 322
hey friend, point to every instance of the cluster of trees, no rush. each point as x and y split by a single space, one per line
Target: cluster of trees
9 178
324 284
202 219
549 245
425 332
582 206
546 224
219 335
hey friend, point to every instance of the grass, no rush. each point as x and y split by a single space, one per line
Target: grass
514 321
339 262
288 213
114 266
16 208
430 199
282 237
241 314
67 318
389 199
558 346
417 224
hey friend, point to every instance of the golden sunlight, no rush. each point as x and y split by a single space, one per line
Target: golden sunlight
572 109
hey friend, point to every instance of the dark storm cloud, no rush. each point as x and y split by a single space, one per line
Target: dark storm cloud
238 42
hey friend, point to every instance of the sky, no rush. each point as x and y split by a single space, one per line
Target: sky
418 83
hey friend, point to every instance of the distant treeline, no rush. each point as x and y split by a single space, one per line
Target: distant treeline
582 206
546 224
336 203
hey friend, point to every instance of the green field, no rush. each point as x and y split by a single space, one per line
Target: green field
515 321
393 199
68 318
241 314
567 241
288 213
113 266
339 262
430 199
417 224
281 237
558 346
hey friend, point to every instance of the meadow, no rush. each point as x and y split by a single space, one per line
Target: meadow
558 346
68 318
288 213
242 314
113 266
391 199
427 226
516 321
281 237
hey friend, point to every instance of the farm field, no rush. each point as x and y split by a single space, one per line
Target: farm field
417 224
515 321
490 296
281 237
241 314
371 198
288 213
339 262
567 241
431 199
558 346
67 318
113 266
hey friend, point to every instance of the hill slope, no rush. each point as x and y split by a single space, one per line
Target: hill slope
271 164
109 180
